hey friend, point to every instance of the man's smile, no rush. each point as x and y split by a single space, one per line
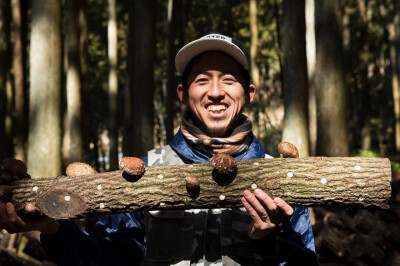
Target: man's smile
216 108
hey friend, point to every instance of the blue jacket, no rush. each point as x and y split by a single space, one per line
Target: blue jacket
119 239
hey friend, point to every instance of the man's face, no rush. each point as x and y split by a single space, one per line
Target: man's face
215 93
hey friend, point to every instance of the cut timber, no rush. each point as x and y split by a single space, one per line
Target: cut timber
313 181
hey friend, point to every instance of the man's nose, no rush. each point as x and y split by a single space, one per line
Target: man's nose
216 90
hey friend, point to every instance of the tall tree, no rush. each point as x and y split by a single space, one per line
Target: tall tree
139 135
171 90
295 79
113 83
255 73
4 75
329 76
311 53
394 43
19 57
73 87
363 78
44 142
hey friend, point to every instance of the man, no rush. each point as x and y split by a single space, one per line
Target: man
215 88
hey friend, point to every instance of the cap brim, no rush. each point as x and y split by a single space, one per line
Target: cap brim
189 51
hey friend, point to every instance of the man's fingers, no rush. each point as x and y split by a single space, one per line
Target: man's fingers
266 201
284 208
256 204
14 218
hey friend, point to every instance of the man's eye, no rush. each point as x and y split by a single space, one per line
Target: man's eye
230 80
201 80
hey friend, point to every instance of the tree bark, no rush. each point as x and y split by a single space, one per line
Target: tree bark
171 83
295 79
394 49
19 56
329 77
363 85
44 152
73 150
4 76
113 83
255 72
311 53
312 181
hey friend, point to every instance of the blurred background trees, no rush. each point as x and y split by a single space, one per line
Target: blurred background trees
95 80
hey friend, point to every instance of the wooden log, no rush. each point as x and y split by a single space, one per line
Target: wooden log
313 181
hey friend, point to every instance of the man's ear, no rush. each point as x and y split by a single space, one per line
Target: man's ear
251 93
182 95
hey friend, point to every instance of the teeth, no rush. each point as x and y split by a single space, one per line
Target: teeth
214 108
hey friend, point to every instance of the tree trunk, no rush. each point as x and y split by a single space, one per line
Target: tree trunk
295 84
74 116
141 81
171 89
331 93
394 33
19 56
312 181
4 73
44 152
255 73
363 79
113 83
310 50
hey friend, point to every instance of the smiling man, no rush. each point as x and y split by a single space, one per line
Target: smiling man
265 231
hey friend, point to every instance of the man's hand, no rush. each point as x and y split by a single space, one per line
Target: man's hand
12 169
12 223
266 213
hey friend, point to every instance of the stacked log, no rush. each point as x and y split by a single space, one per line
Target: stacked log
359 236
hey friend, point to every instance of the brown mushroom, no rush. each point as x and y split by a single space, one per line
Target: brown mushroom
192 186
132 166
192 182
5 193
78 169
288 150
224 164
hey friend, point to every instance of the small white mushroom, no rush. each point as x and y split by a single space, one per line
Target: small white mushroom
254 186
102 206
99 187
35 188
222 197
357 168
256 163
160 176
324 180
67 198
289 174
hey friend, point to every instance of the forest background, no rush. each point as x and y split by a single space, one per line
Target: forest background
95 80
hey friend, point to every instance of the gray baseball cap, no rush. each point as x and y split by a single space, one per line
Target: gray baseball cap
211 42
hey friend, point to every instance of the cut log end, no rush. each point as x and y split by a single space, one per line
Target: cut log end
61 204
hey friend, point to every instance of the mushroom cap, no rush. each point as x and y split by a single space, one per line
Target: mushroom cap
132 165
14 167
224 163
78 169
288 150
192 182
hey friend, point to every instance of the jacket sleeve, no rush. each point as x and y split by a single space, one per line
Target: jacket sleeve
291 244
115 240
